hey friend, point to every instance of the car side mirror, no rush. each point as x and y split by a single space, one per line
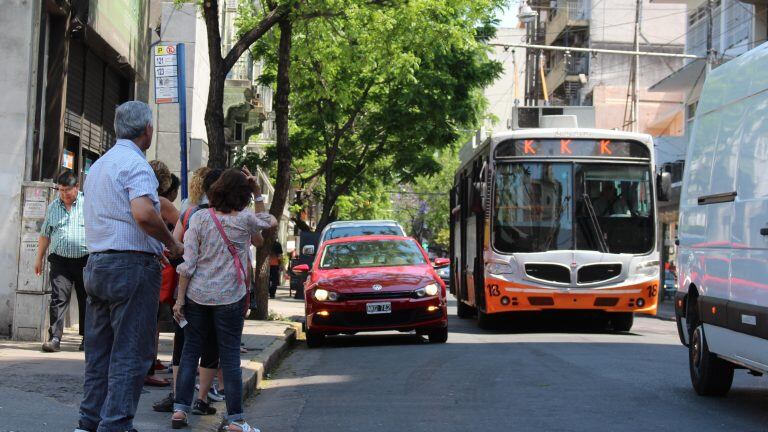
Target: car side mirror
441 262
301 268
308 250
664 184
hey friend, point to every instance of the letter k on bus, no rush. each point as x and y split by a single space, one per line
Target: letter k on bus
529 147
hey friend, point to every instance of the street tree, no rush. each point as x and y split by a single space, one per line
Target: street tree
377 91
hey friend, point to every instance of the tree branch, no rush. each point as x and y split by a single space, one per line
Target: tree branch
245 41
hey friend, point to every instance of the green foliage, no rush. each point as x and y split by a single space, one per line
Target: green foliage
380 91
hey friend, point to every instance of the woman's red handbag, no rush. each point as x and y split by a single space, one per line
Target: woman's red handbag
168 284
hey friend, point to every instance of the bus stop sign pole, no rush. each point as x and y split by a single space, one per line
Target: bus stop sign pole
182 89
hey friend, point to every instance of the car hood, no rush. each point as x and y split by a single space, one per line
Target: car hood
362 280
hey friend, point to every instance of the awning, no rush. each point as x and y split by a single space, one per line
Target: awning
683 79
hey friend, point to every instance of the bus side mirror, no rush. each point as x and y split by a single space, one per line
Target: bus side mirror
308 250
664 183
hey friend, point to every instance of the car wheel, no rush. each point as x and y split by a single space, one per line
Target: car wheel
438 335
710 375
315 339
464 310
622 322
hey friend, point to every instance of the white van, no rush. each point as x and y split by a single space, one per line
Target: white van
722 299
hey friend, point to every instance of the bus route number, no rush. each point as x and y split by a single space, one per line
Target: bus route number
652 290
493 290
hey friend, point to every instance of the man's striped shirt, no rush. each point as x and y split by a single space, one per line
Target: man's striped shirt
66 229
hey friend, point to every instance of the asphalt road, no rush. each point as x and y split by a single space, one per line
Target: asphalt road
538 377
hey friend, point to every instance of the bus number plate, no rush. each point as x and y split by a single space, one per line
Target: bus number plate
378 308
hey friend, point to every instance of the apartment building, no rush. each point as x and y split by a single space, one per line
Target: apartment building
599 79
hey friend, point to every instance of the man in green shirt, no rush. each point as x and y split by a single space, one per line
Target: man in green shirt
63 233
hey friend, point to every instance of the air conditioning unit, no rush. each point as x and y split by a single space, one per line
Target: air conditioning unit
530 117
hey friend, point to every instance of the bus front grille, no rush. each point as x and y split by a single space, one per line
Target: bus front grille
549 272
598 273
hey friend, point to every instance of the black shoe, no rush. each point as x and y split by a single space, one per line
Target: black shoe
201 407
54 345
81 347
165 404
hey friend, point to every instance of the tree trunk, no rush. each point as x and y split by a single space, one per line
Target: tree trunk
214 110
283 181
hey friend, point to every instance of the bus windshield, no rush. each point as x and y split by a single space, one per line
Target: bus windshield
543 206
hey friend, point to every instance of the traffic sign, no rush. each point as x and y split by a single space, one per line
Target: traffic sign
166 74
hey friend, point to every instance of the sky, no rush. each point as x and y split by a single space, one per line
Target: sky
508 17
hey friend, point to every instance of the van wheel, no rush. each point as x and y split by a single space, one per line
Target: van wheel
464 310
315 339
710 375
622 322
438 335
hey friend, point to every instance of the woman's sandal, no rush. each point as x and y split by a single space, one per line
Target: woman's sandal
178 423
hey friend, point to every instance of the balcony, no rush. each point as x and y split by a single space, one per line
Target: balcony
566 67
568 14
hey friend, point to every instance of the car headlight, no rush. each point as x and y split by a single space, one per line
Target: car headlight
321 294
428 290
499 268
432 289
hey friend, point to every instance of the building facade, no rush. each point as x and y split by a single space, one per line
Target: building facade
604 80
69 63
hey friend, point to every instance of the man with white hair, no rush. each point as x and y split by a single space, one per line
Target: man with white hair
125 236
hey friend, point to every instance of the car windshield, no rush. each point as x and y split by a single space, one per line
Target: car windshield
353 231
377 253
541 206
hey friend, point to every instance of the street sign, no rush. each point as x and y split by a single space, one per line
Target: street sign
166 74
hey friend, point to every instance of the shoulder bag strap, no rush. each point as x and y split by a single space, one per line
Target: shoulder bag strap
241 275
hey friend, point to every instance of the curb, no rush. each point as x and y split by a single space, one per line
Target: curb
266 361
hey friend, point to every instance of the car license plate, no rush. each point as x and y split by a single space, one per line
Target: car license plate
379 308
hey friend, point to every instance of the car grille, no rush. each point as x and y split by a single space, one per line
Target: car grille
549 272
362 320
598 272
377 295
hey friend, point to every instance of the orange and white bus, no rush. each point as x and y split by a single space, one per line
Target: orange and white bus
561 219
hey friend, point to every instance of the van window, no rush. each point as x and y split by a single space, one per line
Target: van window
701 151
753 152
726 154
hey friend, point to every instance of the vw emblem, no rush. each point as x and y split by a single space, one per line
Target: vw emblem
377 287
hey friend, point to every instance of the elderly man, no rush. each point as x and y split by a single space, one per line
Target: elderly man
63 233
125 236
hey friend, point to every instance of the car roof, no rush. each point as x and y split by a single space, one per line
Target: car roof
357 223
364 238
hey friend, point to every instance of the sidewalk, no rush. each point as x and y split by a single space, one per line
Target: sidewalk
41 391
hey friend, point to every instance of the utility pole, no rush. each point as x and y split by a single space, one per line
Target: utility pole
636 80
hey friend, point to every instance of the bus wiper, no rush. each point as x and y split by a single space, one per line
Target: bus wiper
601 244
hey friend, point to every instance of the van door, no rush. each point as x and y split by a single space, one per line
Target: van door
748 309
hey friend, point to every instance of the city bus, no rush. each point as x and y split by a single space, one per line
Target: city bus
556 219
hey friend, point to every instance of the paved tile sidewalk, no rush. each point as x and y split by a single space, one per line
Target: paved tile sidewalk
41 391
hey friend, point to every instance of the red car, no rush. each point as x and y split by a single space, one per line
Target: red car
373 283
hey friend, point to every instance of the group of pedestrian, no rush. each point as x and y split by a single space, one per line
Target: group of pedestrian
122 246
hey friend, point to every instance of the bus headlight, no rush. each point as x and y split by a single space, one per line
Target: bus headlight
647 269
499 268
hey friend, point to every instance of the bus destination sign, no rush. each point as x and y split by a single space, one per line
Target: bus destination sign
572 148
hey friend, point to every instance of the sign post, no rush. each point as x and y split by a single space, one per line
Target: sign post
170 87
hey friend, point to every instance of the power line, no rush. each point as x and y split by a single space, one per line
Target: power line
599 51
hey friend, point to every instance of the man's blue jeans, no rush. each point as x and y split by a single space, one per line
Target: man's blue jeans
227 321
120 327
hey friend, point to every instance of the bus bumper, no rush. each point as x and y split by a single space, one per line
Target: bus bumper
503 296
